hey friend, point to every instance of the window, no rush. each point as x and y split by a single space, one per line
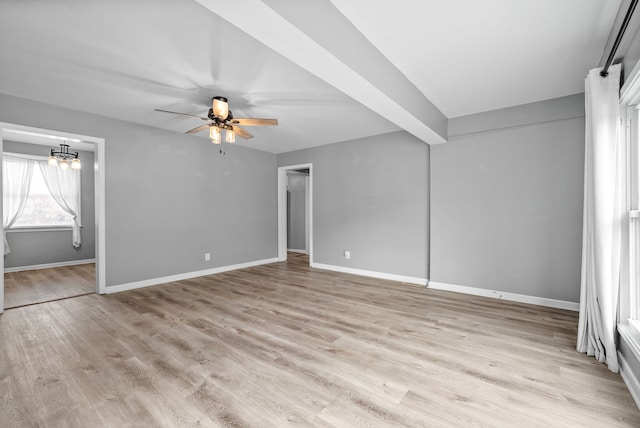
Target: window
629 292
632 313
630 285
41 210
629 298
27 201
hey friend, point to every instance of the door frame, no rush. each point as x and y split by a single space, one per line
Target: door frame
99 170
282 210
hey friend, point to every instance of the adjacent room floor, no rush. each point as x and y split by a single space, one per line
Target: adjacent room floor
43 285
287 345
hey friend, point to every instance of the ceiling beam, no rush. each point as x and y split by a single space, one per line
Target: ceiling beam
300 31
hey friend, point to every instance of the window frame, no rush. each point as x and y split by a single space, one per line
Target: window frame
629 294
39 227
629 115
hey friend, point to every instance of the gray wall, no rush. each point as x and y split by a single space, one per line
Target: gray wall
296 213
370 196
170 197
40 247
507 203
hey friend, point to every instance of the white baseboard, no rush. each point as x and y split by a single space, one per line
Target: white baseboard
494 294
49 265
380 275
293 250
187 275
629 378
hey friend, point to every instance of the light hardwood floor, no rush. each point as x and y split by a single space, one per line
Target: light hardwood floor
42 285
284 345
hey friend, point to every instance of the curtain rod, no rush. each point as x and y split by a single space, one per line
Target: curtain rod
623 28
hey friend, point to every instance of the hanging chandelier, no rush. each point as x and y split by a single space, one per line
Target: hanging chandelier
64 157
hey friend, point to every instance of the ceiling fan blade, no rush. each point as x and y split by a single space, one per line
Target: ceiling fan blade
198 129
241 132
254 122
183 114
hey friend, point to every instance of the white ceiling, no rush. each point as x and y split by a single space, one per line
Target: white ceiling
123 59
469 56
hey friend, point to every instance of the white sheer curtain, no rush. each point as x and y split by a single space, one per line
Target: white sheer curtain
64 186
604 208
16 181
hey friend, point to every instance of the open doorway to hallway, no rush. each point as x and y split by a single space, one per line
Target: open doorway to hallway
298 211
295 211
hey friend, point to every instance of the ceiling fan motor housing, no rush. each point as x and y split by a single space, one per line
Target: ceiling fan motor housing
216 119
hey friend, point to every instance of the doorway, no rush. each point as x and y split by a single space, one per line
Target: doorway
297 211
305 171
30 135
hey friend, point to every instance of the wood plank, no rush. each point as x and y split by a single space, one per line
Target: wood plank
285 344
43 285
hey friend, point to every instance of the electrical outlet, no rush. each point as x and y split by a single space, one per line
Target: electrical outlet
207 257
347 254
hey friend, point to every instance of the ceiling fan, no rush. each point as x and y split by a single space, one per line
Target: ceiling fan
221 118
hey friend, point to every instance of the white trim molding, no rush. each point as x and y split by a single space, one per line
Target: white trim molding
630 91
21 229
370 273
50 265
631 336
187 275
629 378
494 294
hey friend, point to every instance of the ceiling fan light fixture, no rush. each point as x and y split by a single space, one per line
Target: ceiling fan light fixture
230 136
220 107
214 134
